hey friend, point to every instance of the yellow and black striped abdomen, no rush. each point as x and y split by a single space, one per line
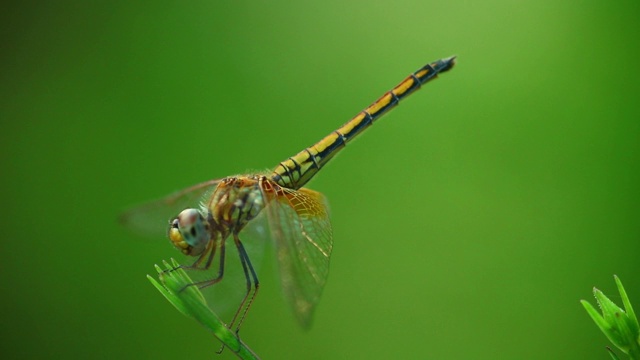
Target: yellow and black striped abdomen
299 169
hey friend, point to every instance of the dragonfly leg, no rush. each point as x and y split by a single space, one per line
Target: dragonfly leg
252 287
204 283
208 253
252 282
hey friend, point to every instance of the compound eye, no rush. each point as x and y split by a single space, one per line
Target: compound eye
193 229
187 218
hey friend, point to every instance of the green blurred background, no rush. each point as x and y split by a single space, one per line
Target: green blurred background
468 223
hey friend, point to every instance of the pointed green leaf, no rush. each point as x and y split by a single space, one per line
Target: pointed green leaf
176 286
618 325
627 305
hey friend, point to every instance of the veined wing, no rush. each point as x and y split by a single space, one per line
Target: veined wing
153 217
300 226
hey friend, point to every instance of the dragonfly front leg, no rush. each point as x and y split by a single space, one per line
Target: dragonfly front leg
211 254
208 254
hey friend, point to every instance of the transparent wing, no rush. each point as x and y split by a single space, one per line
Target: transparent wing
300 226
152 218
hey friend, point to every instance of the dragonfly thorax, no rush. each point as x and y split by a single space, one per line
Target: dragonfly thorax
235 202
189 232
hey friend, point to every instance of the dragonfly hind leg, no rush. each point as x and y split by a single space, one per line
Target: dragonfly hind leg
252 288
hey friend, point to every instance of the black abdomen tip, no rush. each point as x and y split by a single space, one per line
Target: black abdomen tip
447 63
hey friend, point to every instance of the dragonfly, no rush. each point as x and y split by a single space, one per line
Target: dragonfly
206 218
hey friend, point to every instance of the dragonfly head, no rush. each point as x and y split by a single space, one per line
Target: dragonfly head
189 232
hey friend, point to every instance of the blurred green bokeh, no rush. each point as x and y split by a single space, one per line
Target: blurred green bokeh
468 223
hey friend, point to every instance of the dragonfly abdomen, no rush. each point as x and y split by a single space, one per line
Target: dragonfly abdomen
300 168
